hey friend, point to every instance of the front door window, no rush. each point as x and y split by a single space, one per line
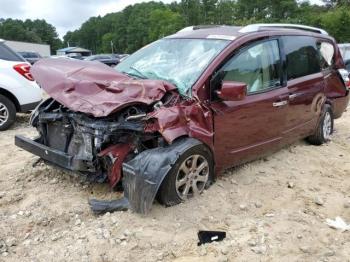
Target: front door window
258 66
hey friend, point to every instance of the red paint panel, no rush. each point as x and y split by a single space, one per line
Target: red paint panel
118 153
246 129
190 119
94 88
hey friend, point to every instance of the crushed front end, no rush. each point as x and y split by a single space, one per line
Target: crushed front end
92 146
111 127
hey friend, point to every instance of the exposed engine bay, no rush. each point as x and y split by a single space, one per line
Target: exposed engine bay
88 139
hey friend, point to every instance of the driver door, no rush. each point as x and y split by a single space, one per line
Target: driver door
246 129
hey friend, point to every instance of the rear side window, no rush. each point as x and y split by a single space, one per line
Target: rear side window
302 56
7 54
326 54
31 55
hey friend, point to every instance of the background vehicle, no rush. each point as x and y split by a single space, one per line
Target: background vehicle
18 90
31 57
345 52
75 56
122 56
175 113
107 59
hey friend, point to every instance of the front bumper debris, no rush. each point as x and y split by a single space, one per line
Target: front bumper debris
142 175
51 155
103 206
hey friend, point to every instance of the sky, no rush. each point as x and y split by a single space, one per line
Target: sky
66 15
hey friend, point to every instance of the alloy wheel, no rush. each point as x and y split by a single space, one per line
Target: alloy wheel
4 114
192 176
327 126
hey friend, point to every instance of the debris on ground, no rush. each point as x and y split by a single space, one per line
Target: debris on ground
338 223
103 206
319 201
210 236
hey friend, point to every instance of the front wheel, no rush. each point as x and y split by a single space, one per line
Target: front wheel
324 129
191 174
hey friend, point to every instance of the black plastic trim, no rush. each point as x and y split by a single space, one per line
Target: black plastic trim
28 107
52 155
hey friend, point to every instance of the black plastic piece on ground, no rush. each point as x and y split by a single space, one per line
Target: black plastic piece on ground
104 206
210 236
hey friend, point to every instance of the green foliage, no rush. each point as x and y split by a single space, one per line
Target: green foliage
337 23
36 31
128 30
140 24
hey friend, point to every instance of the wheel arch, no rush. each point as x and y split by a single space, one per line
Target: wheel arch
143 175
202 142
10 96
329 102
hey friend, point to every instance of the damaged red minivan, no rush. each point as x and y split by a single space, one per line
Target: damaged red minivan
170 117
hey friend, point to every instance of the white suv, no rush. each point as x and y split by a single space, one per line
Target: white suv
18 90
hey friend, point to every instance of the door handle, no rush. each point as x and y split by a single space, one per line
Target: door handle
279 104
292 96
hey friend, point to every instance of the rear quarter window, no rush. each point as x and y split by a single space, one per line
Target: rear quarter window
7 54
326 54
345 52
302 56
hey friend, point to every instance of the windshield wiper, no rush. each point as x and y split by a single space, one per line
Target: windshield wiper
139 73
132 75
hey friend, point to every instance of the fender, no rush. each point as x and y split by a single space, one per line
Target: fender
143 175
12 97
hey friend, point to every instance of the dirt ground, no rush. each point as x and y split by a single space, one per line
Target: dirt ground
272 209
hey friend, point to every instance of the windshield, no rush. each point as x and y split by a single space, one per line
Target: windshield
179 61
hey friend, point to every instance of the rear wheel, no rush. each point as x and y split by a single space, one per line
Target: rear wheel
324 129
191 174
7 113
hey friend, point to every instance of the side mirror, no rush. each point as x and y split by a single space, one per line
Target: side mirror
232 91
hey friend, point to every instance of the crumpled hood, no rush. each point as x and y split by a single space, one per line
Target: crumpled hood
94 88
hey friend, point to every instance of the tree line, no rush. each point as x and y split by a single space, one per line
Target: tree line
34 31
140 24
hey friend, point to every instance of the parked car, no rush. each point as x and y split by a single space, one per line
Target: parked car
18 90
345 51
75 56
61 56
168 119
122 56
107 59
30 57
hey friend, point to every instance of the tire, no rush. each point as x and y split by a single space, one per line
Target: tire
7 113
170 193
324 129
